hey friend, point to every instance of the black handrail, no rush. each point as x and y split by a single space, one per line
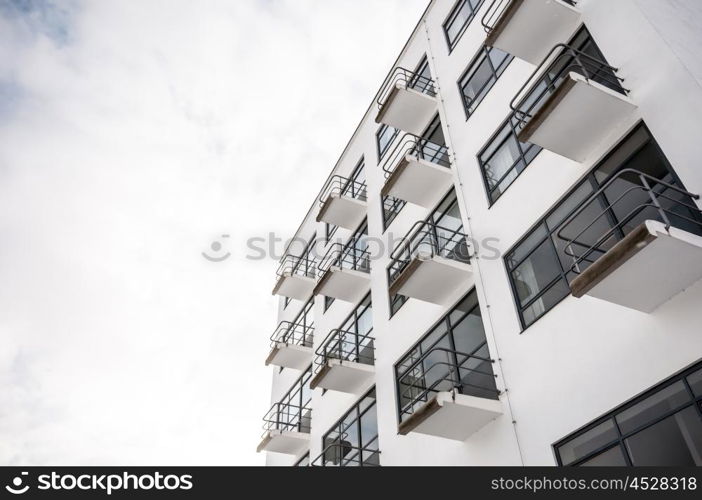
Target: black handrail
287 417
407 79
413 145
292 334
524 107
344 459
647 185
346 345
344 257
293 265
429 240
337 185
496 10
452 380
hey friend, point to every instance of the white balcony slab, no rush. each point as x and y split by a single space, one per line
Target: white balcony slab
294 286
287 442
647 268
529 29
577 118
416 180
344 284
452 417
343 211
343 376
407 109
297 357
433 279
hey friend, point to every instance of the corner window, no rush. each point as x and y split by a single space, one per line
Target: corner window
458 20
482 73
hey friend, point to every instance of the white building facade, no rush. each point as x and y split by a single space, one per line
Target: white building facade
504 265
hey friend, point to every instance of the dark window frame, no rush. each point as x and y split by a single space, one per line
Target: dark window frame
482 54
451 18
378 133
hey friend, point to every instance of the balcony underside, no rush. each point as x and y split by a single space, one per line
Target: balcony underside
293 356
348 285
645 269
528 29
343 211
457 419
576 118
294 286
407 109
433 279
418 181
287 442
343 376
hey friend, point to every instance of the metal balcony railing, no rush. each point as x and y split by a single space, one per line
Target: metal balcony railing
550 75
292 265
413 145
407 79
442 369
496 10
428 239
337 185
342 453
292 334
287 417
344 257
346 345
660 204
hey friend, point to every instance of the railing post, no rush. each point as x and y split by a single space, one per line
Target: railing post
647 187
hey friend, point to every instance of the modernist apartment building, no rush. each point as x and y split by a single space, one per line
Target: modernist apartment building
503 267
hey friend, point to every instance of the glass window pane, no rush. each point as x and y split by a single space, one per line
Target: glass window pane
549 299
612 457
675 441
589 441
695 381
536 272
653 407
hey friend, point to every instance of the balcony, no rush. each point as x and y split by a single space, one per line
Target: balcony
417 171
652 252
570 104
343 202
286 429
447 393
291 346
344 362
296 277
344 273
431 264
527 29
407 101
344 454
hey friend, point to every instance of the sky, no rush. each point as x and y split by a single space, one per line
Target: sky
134 134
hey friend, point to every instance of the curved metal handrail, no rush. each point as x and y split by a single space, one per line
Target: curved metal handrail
345 345
292 334
646 186
496 10
338 185
413 145
294 265
295 417
407 79
344 256
580 62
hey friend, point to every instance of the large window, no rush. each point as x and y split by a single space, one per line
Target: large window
540 267
355 187
355 342
458 20
391 209
353 440
453 355
383 139
482 73
293 412
661 427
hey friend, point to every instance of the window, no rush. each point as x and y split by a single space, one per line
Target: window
662 427
328 301
458 20
353 440
503 158
355 186
383 139
293 412
453 354
421 81
539 268
304 321
329 230
482 73
360 324
391 209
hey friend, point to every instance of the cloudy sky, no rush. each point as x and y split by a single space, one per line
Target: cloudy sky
133 134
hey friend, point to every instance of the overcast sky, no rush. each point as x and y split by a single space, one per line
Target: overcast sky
133 134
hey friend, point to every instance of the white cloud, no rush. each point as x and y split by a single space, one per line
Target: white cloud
132 133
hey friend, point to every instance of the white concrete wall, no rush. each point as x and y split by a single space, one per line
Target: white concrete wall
583 357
